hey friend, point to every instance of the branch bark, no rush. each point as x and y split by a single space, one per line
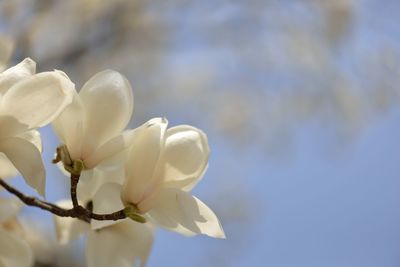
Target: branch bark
74 187
77 211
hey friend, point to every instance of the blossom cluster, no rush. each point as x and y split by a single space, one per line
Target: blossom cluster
140 178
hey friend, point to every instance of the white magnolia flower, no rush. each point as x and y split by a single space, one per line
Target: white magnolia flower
14 251
119 244
8 78
28 101
91 126
161 169
7 169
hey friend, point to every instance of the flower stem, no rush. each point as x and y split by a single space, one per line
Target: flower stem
74 186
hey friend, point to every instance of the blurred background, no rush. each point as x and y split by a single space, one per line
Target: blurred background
299 98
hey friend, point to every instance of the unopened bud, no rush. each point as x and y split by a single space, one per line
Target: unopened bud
131 212
76 168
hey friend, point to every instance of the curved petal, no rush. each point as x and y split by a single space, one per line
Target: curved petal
110 148
178 211
7 169
117 161
33 136
11 76
9 208
120 245
92 180
106 200
108 101
10 126
27 160
38 99
14 251
142 160
185 156
88 185
69 126
68 229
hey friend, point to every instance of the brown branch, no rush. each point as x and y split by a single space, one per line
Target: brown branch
87 213
35 202
74 186
115 216
77 211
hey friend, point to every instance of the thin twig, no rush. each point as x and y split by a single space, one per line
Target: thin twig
32 201
77 211
115 216
74 186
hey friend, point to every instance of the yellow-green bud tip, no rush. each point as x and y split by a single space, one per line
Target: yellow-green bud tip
131 212
76 168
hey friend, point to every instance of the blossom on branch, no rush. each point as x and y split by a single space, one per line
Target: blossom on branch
108 243
122 182
91 127
162 167
29 101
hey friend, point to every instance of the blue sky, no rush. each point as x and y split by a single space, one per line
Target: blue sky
315 209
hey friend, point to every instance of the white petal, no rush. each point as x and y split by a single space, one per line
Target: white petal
39 99
110 148
120 245
69 126
88 185
23 69
108 101
142 160
9 126
117 161
178 211
27 159
7 169
185 156
68 229
14 251
15 74
9 208
92 180
106 200
33 136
